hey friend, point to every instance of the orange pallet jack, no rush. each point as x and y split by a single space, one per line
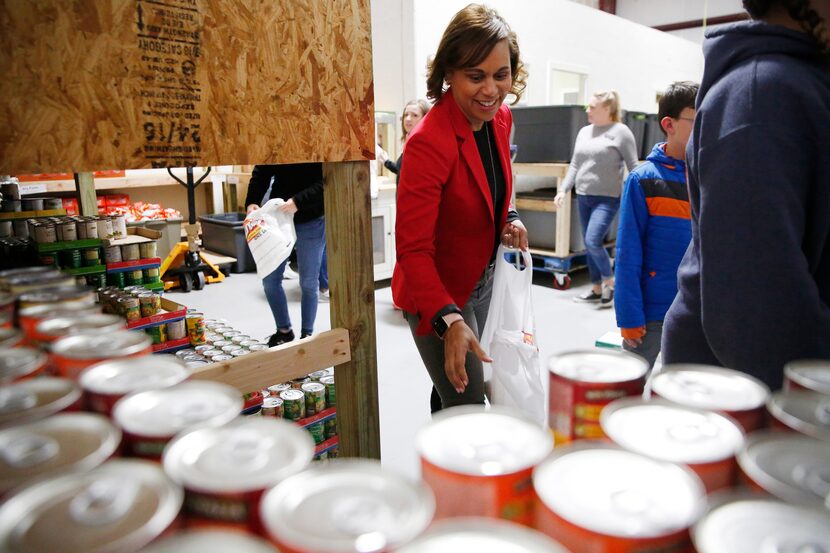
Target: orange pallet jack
185 266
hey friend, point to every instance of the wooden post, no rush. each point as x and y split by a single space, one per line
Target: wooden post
351 281
85 187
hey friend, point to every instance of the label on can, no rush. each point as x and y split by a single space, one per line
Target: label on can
112 254
331 393
150 304
130 308
196 329
331 427
293 404
91 257
130 252
148 249
315 398
158 333
272 407
176 330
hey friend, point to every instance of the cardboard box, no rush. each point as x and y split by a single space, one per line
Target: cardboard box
135 235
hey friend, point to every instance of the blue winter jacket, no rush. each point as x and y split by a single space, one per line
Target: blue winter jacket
653 235
754 286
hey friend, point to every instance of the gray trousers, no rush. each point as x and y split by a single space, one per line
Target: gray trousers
650 348
431 348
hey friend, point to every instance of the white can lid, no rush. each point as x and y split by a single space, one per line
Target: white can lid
36 398
599 366
18 363
481 535
813 374
791 466
708 387
671 432
245 455
807 412
120 506
615 492
347 506
210 541
121 343
478 442
761 525
134 374
167 411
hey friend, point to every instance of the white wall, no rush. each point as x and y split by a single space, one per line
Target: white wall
661 12
614 52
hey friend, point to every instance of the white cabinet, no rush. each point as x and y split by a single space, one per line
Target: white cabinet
383 233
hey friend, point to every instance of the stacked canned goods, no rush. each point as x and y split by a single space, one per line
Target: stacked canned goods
215 341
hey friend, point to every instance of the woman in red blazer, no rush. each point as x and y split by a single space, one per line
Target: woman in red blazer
453 201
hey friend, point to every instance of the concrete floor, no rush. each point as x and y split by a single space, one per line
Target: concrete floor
403 384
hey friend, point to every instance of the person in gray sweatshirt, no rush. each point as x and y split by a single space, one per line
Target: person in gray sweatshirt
602 150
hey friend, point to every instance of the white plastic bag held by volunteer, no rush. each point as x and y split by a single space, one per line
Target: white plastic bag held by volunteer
271 236
510 338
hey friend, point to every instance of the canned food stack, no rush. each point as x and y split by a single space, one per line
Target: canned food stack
215 341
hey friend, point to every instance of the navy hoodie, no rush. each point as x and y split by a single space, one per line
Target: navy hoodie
754 285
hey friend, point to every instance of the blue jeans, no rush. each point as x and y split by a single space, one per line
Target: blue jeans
311 242
595 216
324 269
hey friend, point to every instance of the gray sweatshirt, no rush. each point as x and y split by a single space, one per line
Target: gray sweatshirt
599 155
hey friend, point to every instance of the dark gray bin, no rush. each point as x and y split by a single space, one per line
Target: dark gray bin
654 134
547 133
224 233
636 121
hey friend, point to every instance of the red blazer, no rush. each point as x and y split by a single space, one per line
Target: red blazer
445 228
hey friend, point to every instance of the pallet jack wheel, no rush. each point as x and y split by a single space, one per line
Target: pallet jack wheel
561 281
186 282
199 281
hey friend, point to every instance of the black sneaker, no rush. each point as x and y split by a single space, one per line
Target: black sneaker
304 335
278 338
588 297
607 299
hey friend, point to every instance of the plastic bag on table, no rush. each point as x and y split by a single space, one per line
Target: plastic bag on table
270 235
509 337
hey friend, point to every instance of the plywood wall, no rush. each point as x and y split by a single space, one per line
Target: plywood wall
124 84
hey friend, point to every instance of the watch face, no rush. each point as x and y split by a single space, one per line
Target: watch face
440 326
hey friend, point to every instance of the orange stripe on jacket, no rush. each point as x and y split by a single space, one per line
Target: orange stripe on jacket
668 207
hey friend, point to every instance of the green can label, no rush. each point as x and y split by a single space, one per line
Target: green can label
92 257
331 427
331 394
315 398
293 404
318 432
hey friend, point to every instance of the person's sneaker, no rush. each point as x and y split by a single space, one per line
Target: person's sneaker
289 274
278 338
607 299
304 335
325 295
588 297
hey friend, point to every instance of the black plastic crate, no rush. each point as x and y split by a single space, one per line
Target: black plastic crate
636 121
547 133
224 233
654 134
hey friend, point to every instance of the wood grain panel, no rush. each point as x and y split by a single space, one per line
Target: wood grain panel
121 84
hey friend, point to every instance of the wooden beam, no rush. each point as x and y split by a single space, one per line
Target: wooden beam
261 369
351 281
563 227
85 187
695 23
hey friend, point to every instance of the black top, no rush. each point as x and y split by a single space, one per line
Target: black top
301 181
495 176
395 167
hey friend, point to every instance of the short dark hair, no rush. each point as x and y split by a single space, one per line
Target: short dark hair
468 40
677 97
801 12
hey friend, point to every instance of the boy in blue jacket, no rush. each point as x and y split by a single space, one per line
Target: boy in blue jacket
654 229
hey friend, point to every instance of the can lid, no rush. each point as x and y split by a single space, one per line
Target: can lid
244 455
78 324
258 347
222 343
36 398
791 466
26 272
10 337
221 357
168 411
105 345
47 310
240 352
210 541
271 402
806 412
813 374
327 380
277 388
599 366
134 374
708 387
313 387
17 363
615 492
483 535
192 365
292 395
356 506
317 375
478 442
753 525
58 293
69 441
671 432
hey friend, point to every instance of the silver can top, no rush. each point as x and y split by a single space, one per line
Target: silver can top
18 363
790 466
347 506
120 506
245 455
79 324
478 442
36 398
806 412
597 366
135 374
759 525
210 541
810 374
708 387
168 411
606 489
482 535
102 346
671 432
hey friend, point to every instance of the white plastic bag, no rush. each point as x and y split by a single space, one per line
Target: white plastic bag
510 338
271 236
